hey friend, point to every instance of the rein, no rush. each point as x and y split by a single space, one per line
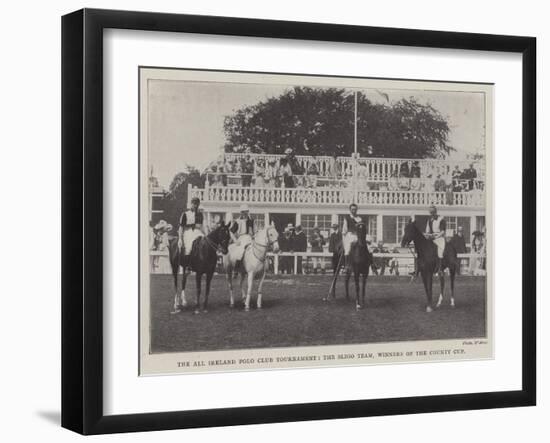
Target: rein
256 244
211 243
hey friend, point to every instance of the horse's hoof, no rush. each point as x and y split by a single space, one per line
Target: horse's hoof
358 307
231 305
246 309
196 312
452 303
205 311
259 308
429 309
175 311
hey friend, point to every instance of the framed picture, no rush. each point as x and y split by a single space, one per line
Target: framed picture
270 221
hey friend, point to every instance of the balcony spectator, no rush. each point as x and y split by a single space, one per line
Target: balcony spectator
271 174
211 174
404 179
457 180
457 173
300 181
247 169
299 243
439 184
449 195
362 174
415 176
393 182
229 166
317 241
293 162
404 170
470 174
260 174
312 173
334 168
415 169
219 178
285 171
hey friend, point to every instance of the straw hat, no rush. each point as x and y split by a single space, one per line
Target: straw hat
163 226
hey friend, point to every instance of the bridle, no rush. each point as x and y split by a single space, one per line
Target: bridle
266 246
214 246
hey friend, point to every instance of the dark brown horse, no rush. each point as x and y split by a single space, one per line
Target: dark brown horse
202 260
428 262
359 262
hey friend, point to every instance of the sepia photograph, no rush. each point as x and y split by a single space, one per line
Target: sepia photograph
303 221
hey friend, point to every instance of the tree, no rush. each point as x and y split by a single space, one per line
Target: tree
320 121
175 200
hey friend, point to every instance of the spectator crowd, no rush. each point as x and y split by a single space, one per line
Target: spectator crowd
286 171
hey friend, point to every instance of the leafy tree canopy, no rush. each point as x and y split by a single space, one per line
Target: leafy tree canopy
320 121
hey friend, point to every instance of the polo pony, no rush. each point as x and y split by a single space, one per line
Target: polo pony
428 263
359 262
202 260
253 262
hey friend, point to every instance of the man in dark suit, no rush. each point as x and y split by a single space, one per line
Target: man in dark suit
459 242
317 241
299 242
286 244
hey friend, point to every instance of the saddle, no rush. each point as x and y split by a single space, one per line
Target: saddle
195 246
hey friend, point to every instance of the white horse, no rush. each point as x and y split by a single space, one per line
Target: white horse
253 262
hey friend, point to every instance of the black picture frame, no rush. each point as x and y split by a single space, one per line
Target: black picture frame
82 218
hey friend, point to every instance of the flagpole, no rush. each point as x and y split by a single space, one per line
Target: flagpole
355 151
355 126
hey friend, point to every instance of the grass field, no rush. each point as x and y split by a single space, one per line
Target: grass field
294 314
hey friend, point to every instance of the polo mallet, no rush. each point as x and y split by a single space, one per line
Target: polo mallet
415 272
335 275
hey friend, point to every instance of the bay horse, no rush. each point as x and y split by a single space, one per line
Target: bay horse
253 262
360 261
202 260
428 263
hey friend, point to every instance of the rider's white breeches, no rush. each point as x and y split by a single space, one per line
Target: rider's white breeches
189 236
440 243
348 239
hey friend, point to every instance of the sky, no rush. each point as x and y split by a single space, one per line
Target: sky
185 120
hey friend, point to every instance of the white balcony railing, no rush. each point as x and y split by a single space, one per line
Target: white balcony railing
336 196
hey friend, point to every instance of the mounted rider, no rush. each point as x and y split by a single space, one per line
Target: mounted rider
190 226
242 232
349 230
435 231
